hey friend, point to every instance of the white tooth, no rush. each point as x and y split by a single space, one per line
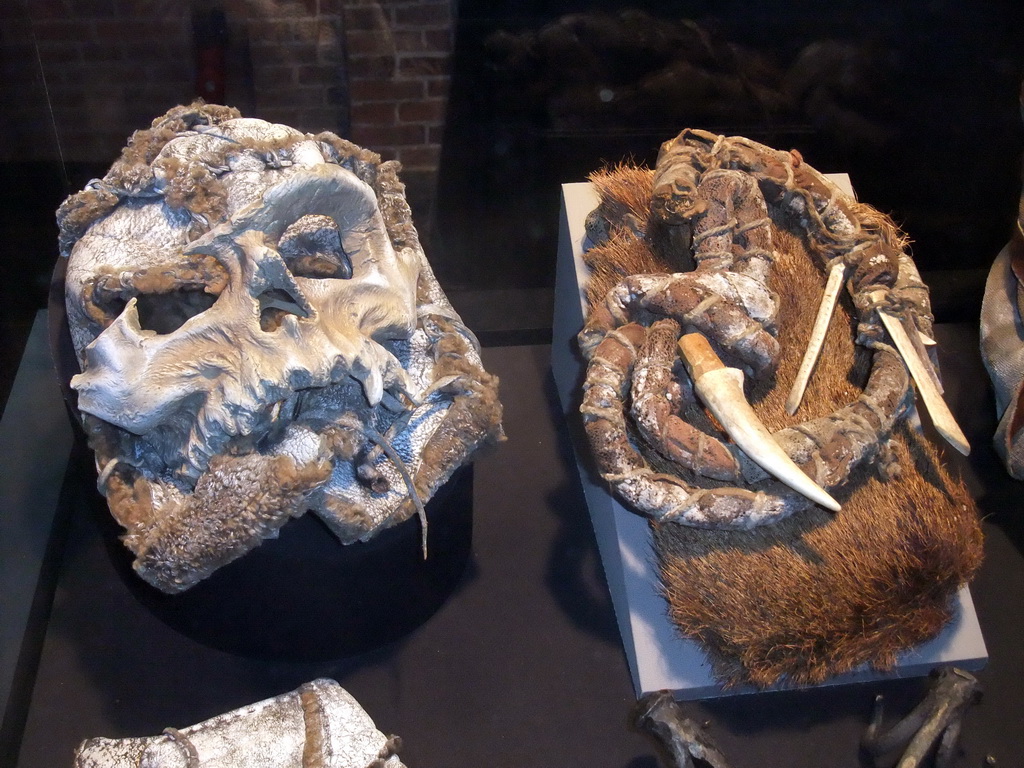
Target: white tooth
940 414
373 386
104 475
927 340
833 286
721 389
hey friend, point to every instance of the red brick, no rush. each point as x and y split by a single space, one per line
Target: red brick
329 52
439 40
306 30
289 30
375 135
438 87
364 18
380 113
275 77
308 95
409 42
370 90
423 15
371 66
314 75
362 43
425 157
418 66
428 111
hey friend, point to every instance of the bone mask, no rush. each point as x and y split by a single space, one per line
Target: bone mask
260 333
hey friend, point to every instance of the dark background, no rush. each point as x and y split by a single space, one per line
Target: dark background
918 102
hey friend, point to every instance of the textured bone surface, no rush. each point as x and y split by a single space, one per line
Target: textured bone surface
826 309
260 334
942 417
775 588
680 740
319 724
932 727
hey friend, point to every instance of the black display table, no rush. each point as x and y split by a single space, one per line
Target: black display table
523 666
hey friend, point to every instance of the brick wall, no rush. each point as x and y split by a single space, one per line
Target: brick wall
101 70
374 70
398 64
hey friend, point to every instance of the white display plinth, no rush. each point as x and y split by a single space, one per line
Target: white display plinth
658 657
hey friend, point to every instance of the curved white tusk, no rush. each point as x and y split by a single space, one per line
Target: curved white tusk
915 337
721 389
940 414
825 310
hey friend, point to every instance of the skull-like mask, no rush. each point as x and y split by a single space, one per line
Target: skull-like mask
260 334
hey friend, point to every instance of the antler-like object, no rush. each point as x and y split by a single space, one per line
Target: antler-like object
925 379
938 718
678 738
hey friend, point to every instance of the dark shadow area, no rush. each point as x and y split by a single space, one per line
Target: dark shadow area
919 106
643 762
129 653
1000 498
16 712
574 575
29 195
302 596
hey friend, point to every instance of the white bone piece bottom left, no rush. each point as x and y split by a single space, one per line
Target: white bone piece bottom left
318 724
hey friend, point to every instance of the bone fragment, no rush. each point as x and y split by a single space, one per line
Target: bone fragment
915 337
678 737
932 727
721 389
833 286
940 414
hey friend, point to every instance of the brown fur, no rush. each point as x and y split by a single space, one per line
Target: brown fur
622 192
237 503
818 594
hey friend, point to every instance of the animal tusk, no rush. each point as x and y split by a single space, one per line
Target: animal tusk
915 337
721 389
927 340
833 286
932 728
941 416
